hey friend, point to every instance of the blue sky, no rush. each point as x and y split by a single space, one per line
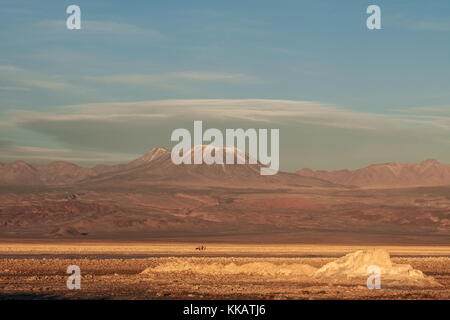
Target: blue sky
318 52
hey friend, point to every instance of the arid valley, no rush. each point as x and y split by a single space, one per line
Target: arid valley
151 198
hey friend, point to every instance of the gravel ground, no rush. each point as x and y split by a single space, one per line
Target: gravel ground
119 278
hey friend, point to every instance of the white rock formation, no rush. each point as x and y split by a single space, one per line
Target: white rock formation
355 265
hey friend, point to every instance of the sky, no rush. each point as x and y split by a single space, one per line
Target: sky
342 96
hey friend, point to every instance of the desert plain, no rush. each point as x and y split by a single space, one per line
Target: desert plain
174 270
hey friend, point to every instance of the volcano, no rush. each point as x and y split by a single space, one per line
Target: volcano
156 167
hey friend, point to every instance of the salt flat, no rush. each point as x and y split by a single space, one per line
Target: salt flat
212 249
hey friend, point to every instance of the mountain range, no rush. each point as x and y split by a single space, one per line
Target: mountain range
156 167
426 173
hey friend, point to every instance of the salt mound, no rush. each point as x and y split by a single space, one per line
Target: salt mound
356 264
254 268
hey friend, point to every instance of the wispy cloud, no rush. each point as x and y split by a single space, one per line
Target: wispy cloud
40 154
14 89
104 27
419 24
427 110
14 78
432 116
430 25
159 79
49 84
10 68
20 79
